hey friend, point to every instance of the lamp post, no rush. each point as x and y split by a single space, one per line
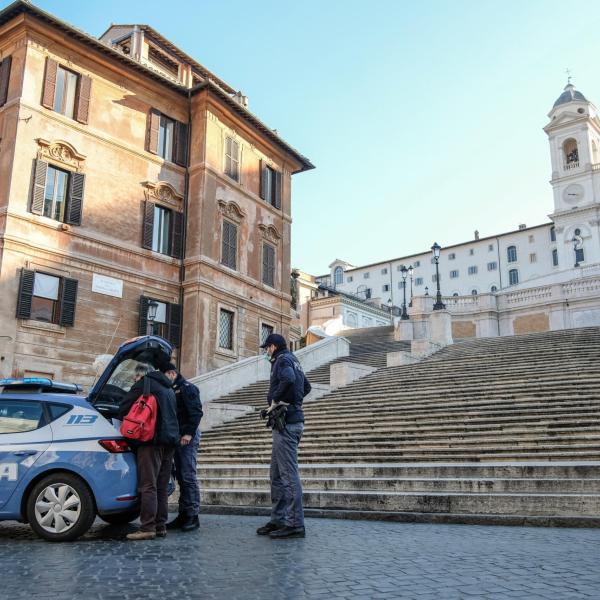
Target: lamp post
404 272
410 273
151 316
439 305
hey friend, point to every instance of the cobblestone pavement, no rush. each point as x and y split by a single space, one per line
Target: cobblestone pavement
338 559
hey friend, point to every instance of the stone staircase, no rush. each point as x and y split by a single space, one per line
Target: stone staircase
499 429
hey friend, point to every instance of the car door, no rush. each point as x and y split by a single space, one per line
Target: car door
24 436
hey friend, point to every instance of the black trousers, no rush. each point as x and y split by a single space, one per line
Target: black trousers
154 471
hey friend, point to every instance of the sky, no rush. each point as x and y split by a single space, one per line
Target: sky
424 120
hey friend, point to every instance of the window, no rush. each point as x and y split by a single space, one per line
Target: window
57 194
453 274
163 230
384 271
455 294
268 265
270 185
351 320
555 257
167 138
473 292
18 416
349 279
492 266
166 324
490 247
66 92
44 297
229 245
471 251
385 288
451 256
553 234
494 289
232 159
473 270
338 276
571 153
511 253
533 257
417 263
531 239
419 281
226 318
513 277
4 79
64 98
366 275
579 256
265 332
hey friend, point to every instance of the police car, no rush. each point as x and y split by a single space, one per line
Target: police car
62 460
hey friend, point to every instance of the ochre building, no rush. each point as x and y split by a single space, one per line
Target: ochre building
130 173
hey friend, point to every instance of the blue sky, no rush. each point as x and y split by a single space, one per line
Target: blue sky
424 119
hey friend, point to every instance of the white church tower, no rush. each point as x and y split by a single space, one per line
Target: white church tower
574 136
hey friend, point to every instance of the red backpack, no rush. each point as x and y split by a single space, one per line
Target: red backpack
140 422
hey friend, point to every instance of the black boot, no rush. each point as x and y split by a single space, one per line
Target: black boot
268 528
177 522
190 523
287 532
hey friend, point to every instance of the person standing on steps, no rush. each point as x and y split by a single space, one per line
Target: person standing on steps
287 389
189 413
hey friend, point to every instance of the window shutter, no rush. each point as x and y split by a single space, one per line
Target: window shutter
181 143
4 78
143 322
148 225
83 99
153 131
49 83
177 235
25 294
68 300
277 184
174 320
75 202
233 245
39 187
263 184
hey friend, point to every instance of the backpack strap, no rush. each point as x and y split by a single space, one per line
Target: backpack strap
146 391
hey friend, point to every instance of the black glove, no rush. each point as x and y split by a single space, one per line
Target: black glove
264 413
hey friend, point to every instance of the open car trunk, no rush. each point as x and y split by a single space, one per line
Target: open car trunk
119 375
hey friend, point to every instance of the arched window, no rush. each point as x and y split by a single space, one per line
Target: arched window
553 234
511 253
571 153
494 289
338 276
473 292
513 277
455 294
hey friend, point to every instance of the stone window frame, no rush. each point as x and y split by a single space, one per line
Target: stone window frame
232 135
233 353
230 211
262 321
270 236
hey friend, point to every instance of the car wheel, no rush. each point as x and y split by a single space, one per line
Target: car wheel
60 507
121 518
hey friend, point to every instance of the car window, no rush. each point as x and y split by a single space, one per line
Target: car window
58 410
17 416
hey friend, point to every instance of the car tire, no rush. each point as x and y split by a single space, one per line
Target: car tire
60 507
121 518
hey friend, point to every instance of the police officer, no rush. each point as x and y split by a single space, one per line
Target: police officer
288 387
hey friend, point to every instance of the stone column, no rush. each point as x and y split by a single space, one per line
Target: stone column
440 327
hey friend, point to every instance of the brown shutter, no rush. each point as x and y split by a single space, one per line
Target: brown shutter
153 131
39 187
181 143
177 235
174 321
277 184
25 294
143 315
49 83
75 198
83 99
4 78
68 300
263 183
148 229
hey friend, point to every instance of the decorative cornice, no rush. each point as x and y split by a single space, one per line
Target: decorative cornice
270 233
60 152
162 191
231 210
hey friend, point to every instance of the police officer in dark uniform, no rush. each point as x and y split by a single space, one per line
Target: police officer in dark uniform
288 387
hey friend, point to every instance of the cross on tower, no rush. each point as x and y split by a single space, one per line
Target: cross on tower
568 72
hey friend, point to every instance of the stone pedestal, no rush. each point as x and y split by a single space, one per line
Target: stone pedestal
341 374
440 328
398 359
403 331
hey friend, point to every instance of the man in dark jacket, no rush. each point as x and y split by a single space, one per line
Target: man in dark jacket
189 413
288 387
154 458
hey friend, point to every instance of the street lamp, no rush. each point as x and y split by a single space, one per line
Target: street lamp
404 272
410 273
151 316
439 305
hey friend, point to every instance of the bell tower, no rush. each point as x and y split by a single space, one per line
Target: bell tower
574 138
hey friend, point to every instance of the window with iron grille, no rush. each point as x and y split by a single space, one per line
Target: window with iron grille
268 264
229 245
265 332
232 159
473 270
226 329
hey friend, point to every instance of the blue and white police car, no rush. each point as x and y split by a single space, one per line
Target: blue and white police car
62 460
